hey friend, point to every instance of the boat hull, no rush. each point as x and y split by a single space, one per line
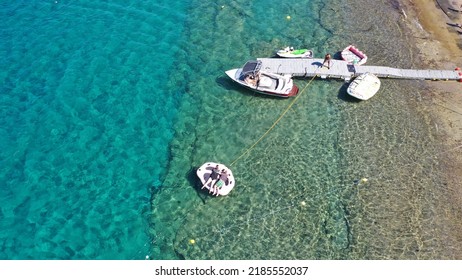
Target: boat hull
364 87
290 90
304 53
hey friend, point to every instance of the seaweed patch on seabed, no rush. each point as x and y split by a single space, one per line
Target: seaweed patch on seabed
321 21
395 4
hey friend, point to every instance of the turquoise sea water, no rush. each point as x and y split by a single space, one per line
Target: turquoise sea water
107 108
87 107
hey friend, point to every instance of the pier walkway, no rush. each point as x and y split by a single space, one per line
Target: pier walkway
309 67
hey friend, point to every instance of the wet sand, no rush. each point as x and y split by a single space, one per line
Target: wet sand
439 40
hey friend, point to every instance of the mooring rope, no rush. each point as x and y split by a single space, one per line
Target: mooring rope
275 123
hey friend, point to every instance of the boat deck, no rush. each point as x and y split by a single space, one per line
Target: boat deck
309 67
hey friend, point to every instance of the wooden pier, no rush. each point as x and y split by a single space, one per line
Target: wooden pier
309 67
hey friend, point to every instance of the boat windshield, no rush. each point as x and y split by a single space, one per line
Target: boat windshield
251 68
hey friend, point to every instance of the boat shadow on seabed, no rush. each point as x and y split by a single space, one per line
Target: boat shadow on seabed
196 183
192 180
344 96
227 84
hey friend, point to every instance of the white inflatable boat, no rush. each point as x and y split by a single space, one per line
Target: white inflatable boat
205 171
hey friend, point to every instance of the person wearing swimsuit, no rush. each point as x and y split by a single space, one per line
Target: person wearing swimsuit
213 178
221 182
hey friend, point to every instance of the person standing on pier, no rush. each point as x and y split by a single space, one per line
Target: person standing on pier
327 59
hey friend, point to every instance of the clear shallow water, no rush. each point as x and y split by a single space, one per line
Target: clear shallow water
108 108
297 195
86 120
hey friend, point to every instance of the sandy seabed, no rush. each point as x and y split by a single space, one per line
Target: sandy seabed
435 28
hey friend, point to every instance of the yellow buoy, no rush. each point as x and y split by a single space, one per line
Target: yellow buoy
192 241
303 203
288 17
364 180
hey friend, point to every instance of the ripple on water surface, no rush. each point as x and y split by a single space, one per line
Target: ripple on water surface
300 193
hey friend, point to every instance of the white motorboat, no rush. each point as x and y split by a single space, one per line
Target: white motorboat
252 77
205 171
364 86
